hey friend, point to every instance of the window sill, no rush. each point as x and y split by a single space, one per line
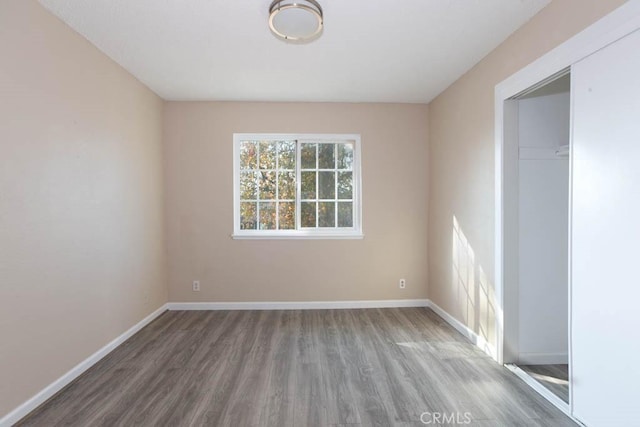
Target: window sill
298 236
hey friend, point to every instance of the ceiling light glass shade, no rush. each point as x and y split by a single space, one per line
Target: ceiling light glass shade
295 20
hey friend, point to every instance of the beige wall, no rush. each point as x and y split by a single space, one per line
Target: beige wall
82 254
81 225
461 167
199 206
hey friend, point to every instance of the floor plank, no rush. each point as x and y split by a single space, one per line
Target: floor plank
370 367
553 377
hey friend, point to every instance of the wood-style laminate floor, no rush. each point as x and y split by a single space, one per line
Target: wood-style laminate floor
373 367
553 377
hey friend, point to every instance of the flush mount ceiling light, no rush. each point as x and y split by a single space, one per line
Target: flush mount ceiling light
295 20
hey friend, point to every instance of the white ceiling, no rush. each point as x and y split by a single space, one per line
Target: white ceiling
370 51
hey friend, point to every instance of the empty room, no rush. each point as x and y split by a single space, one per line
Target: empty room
319 213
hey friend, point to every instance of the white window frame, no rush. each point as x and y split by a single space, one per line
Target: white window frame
354 232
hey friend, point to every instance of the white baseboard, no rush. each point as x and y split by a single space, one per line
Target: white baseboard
543 358
45 394
297 305
476 339
24 409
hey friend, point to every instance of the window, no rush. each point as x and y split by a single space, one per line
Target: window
297 186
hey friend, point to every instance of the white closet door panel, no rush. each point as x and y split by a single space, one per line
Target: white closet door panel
606 236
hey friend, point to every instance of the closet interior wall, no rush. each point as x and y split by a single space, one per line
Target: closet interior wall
543 122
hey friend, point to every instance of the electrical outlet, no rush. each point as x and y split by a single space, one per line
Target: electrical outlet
196 286
403 283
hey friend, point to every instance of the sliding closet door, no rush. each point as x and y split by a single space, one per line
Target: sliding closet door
605 328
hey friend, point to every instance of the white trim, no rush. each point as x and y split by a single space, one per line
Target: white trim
543 391
612 27
468 333
284 235
23 410
619 23
570 252
543 358
298 305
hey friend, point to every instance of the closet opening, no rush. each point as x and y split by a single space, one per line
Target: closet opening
536 237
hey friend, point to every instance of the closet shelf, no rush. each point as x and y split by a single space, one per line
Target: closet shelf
543 153
563 151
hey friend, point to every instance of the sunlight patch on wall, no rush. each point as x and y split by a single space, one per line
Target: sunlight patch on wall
475 295
463 275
